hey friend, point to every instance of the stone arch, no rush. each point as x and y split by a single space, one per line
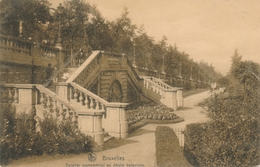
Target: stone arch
115 93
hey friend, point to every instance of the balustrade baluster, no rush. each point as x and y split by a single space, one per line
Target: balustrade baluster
55 106
48 104
102 107
76 95
61 109
15 95
97 105
91 102
81 98
42 99
10 96
71 93
74 119
86 101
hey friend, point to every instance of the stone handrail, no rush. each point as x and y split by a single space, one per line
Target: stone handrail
133 70
83 67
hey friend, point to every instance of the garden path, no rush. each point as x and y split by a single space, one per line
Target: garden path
138 148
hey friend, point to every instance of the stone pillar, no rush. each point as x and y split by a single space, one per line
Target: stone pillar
179 98
116 122
90 123
27 98
62 90
170 99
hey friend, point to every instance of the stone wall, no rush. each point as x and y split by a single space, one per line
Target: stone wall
108 77
15 73
21 74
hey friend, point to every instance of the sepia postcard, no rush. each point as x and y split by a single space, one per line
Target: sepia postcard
129 83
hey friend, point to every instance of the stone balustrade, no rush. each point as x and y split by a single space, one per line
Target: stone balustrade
15 45
85 68
49 52
114 119
170 96
33 97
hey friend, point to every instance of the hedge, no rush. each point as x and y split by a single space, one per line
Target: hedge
203 146
168 151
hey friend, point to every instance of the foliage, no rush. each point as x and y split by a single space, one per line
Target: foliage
18 142
232 136
83 28
34 14
62 137
20 139
168 151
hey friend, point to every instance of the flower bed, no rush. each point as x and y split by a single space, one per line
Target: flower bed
150 111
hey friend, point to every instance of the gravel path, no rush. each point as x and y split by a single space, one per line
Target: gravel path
137 150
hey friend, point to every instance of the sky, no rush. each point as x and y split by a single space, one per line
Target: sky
207 30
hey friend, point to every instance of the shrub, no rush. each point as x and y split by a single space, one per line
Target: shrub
232 136
57 137
62 137
18 142
168 151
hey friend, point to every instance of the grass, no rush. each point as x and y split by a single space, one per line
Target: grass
192 92
168 151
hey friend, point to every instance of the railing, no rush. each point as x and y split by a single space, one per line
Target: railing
85 69
15 44
89 100
40 96
49 52
160 83
133 70
157 85
85 98
150 85
21 46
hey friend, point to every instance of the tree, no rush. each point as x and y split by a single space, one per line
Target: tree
233 138
235 59
34 14
99 32
123 33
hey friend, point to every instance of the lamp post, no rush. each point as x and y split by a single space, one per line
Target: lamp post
21 29
85 47
134 61
60 10
163 67
191 73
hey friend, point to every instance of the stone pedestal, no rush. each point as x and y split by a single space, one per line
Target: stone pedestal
115 121
90 123
62 90
170 99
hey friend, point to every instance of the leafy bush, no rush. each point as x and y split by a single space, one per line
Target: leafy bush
18 142
56 137
168 151
62 137
232 137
